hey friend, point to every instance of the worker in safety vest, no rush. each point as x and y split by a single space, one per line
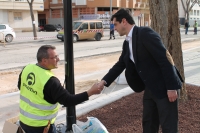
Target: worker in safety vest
41 91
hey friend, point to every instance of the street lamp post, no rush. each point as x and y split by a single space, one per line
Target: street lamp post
69 63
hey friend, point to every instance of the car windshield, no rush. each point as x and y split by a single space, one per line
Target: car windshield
76 25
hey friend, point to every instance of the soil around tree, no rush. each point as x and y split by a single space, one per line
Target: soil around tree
125 115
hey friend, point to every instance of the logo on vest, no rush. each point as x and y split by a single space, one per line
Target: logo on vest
31 81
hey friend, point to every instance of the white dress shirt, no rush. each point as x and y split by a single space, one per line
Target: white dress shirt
129 39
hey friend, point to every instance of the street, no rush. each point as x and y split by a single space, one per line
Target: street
22 51
19 55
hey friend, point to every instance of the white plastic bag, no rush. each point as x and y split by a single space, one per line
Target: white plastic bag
92 125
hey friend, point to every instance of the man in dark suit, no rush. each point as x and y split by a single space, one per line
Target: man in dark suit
149 67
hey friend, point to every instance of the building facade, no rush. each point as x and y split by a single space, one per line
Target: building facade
16 13
193 15
94 9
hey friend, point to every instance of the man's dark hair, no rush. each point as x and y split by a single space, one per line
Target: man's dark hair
123 13
43 52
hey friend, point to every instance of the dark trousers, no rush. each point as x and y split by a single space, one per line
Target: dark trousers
28 129
195 30
112 34
186 30
159 112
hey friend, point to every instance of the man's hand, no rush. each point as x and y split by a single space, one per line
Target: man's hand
95 89
172 95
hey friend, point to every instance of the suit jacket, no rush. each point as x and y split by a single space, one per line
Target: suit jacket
153 68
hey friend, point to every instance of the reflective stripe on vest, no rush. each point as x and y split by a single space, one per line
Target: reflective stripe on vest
41 107
32 116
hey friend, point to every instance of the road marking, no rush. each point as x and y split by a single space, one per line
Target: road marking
184 51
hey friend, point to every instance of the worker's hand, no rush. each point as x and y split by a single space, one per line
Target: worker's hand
102 83
95 89
172 95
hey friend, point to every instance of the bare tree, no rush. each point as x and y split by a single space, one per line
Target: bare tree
187 7
30 2
165 20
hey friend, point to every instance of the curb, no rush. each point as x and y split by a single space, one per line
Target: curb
44 39
99 102
103 38
190 40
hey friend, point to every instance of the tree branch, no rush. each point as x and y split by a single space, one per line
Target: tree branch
183 5
193 3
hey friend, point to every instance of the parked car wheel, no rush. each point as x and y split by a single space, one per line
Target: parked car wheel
8 33
98 37
8 38
75 38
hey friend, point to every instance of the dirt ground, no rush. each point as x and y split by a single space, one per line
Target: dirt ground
125 115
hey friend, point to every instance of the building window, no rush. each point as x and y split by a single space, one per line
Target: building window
195 12
191 12
17 16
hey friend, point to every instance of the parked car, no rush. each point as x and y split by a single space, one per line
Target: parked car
52 27
85 29
6 32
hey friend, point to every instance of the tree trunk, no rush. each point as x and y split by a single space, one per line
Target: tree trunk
187 10
32 18
188 16
164 20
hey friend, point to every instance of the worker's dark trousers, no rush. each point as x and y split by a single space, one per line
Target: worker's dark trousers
52 129
159 112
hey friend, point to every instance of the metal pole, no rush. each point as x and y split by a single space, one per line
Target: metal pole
69 62
110 8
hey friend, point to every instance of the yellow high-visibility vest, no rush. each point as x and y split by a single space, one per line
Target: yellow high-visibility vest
34 110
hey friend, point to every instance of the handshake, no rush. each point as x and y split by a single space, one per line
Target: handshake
96 88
